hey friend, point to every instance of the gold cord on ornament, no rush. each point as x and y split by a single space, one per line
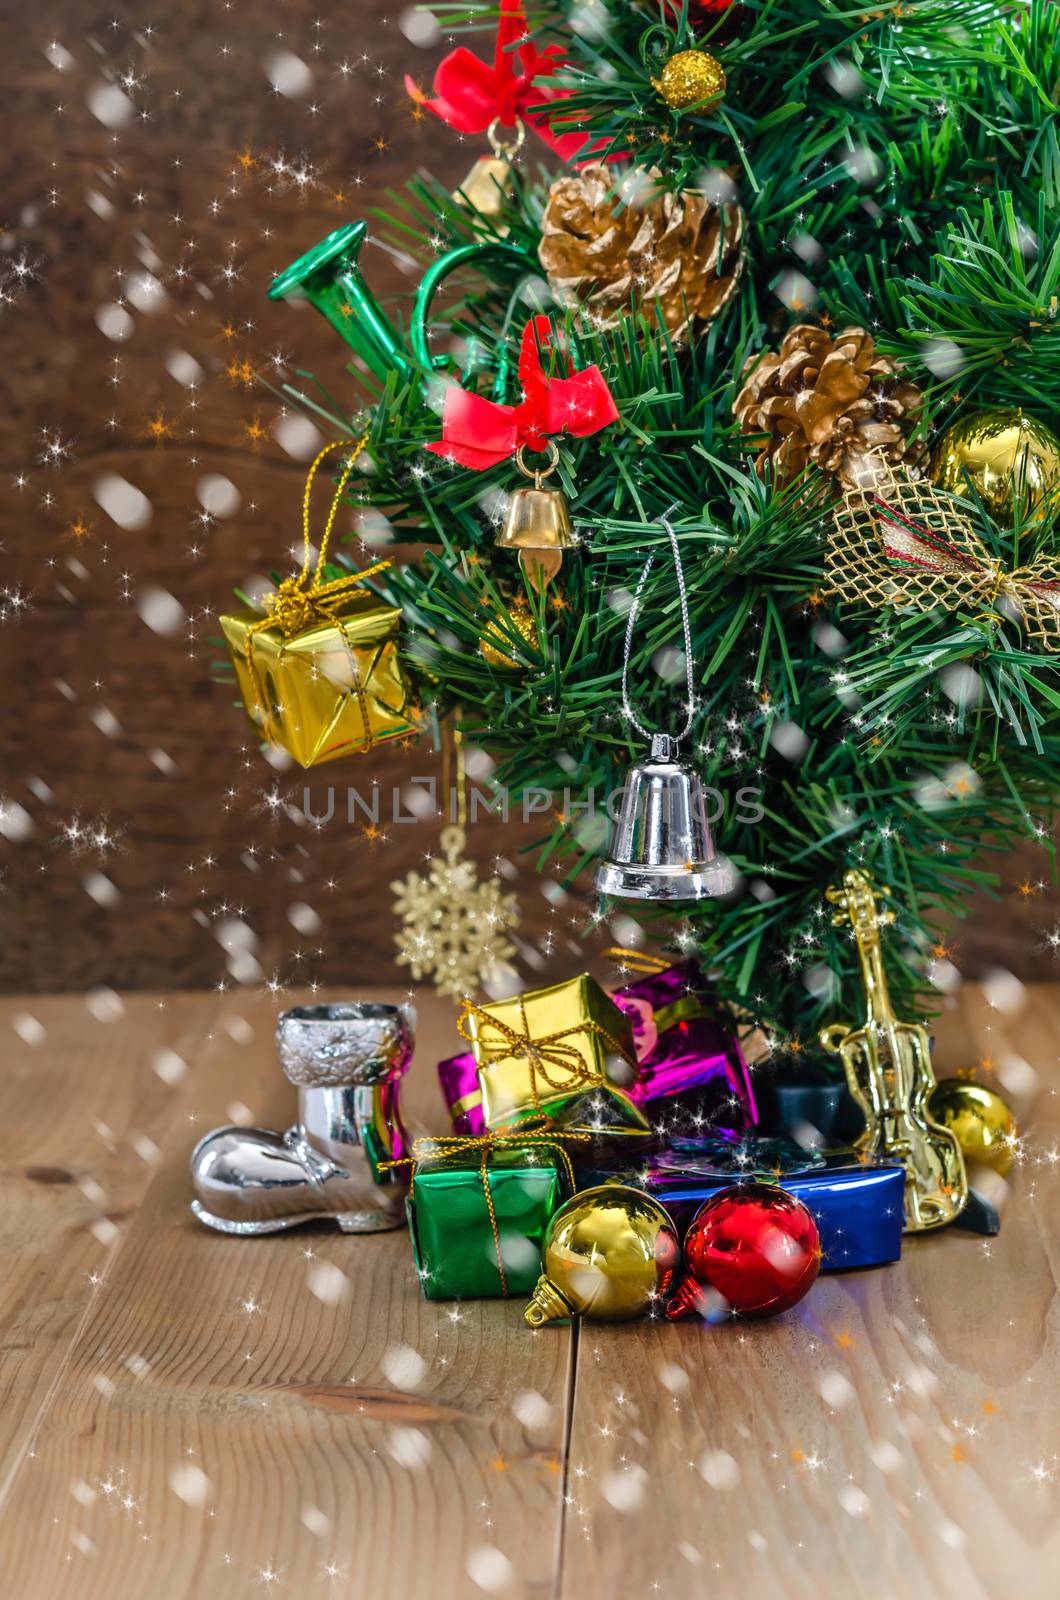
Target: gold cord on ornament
445 1144
999 581
300 600
637 960
453 756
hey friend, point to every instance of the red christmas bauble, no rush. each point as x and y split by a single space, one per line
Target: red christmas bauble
754 1246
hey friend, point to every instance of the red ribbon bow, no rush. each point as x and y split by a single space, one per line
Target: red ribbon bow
469 94
478 433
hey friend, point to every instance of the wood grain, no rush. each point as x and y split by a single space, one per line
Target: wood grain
80 1147
882 1440
217 1422
203 1423
103 721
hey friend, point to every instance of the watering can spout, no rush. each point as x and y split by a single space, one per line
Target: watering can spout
330 278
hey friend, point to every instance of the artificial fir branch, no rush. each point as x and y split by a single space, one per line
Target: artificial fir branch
901 168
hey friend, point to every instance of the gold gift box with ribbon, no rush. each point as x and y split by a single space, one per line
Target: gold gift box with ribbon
320 673
550 1053
333 688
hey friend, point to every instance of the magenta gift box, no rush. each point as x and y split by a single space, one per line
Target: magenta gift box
458 1077
687 1045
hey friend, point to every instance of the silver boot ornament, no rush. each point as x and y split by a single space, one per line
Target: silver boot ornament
346 1061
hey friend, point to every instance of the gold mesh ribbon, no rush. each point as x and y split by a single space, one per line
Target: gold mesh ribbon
302 600
897 542
499 1041
445 1144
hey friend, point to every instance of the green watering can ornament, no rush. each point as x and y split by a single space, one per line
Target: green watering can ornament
330 278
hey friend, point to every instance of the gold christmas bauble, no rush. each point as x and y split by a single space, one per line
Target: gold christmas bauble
608 1254
979 1119
690 78
1006 455
496 643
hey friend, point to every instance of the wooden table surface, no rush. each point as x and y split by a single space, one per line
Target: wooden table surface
183 1414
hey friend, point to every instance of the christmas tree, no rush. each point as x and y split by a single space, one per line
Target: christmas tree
782 275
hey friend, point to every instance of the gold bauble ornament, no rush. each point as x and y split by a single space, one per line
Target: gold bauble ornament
496 643
1007 456
690 78
982 1123
608 1254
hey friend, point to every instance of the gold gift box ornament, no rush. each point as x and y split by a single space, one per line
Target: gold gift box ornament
320 674
547 1053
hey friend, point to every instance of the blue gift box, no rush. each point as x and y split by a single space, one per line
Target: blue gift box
858 1205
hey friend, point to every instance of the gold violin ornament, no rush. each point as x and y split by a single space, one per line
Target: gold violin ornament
888 1069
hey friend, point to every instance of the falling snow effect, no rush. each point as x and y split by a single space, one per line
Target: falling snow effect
104 547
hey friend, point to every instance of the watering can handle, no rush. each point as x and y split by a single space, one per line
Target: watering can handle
436 275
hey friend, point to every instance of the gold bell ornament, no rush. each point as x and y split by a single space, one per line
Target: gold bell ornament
538 523
488 186
610 1253
479 433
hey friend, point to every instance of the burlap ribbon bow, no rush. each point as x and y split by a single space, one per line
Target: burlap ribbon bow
302 600
897 542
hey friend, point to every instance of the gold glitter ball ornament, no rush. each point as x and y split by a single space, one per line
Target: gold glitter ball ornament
1008 457
690 78
981 1122
497 645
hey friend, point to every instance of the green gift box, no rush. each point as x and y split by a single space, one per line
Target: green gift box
478 1216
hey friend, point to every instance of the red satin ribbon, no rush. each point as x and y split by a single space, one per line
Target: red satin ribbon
478 433
469 94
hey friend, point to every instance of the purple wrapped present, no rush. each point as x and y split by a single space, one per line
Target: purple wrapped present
687 1045
458 1077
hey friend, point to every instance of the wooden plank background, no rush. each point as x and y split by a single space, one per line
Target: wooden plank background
198 1417
153 182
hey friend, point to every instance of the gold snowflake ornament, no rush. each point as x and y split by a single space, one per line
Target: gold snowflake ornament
454 926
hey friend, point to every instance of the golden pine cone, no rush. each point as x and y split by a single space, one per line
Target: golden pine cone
683 252
832 400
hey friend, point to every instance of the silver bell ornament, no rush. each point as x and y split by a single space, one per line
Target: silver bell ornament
661 847
346 1061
